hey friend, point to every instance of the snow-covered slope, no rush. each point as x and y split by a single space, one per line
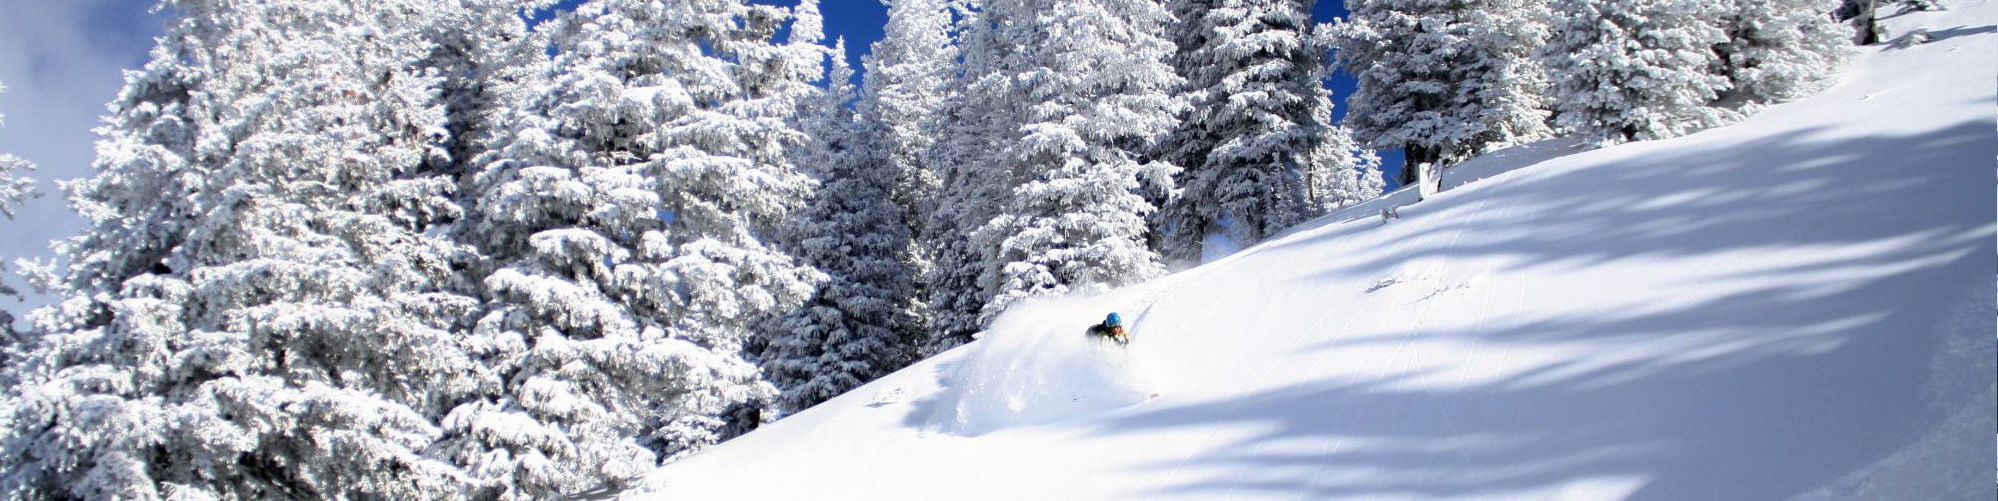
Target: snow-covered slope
1798 306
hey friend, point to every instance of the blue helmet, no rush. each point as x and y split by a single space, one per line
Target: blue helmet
1113 320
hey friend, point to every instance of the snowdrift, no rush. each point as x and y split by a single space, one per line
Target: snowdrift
1799 306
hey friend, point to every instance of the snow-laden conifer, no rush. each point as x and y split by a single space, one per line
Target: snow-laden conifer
979 115
1778 50
1444 80
1340 172
1093 84
864 321
261 306
909 73
1257 114
1626 70
491 63
15 188
626 218
912 74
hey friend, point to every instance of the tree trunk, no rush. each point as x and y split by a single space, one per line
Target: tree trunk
1414 157
1868 22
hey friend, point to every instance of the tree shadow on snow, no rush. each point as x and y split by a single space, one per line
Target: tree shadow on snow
1945 34
1766 398
1728 197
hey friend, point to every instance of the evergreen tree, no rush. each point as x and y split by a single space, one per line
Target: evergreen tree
1340 172
261 306
625 219
1778 50
1257 117
1627 70
1094 86
979 116
491 63
864 322
14 189
1444 80
912 74
909 72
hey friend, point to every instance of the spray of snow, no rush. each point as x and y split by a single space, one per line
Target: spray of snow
1038 364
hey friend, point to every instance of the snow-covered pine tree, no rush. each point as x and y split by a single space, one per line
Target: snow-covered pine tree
775 80
14 189
260 307
1626 70
979 116
625 218
1095 86
491 63
912 76
1257 115
140 204
1340 172
908 79
864 322
1778 50
1444 80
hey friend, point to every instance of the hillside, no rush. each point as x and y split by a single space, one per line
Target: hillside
1797 306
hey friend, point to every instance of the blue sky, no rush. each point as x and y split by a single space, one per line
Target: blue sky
61 59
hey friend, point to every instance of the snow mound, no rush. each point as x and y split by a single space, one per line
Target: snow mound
1038 364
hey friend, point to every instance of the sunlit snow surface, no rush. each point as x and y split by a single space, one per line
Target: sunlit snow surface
1798 306
1037 365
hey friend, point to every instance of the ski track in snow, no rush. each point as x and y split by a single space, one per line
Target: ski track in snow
1297 339
1477 358
1436 270
1421 316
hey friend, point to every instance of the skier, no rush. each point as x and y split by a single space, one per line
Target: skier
1111 329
